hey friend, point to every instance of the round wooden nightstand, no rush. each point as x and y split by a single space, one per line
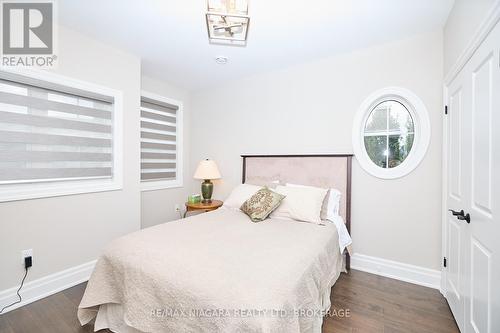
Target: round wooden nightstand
206 207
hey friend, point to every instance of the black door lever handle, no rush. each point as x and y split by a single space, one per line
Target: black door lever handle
455 213
465 217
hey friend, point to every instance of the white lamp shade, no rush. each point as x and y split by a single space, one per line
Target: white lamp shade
207 169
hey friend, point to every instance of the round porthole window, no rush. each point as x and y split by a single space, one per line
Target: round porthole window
391 133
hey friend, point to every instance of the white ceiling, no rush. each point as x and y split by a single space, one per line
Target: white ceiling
171 38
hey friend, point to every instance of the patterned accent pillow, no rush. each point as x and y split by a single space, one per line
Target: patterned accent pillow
261 204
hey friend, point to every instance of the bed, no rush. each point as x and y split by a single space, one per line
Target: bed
220 272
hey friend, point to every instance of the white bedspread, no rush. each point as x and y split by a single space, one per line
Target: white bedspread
215 272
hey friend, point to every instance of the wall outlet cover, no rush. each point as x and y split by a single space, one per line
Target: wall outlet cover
26 253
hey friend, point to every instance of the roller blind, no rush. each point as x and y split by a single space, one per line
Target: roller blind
50 132
158 140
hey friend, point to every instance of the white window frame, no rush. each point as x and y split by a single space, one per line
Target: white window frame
422 130
153 185
24 191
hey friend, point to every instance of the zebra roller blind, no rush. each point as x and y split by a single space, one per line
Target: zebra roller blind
50 132
158 140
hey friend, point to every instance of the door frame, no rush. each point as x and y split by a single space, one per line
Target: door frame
444 193
486 26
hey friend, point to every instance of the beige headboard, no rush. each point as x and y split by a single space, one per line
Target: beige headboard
315 170
325 171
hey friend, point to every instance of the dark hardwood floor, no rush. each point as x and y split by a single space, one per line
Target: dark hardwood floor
379 304
361 302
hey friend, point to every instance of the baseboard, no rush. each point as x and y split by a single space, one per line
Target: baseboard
46 286
396 270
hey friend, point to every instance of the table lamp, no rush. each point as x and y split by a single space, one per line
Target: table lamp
207 170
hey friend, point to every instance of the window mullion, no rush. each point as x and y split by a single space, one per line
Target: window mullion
387 139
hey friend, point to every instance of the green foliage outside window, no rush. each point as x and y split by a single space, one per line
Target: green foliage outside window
389 134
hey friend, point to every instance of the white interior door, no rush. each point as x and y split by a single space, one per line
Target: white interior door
457 196
482 304
473 249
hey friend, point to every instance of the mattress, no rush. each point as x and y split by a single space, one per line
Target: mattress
215 272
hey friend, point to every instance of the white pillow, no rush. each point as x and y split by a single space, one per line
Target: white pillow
333 208
300 203
331 204
240 194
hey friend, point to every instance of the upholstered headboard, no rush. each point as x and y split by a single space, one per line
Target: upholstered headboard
326 170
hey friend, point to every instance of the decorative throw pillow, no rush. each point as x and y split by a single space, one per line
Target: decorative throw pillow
261 204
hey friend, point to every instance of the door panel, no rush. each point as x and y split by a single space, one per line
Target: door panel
457 198
481 135
455 143
472 280
454 235
482 301
480 307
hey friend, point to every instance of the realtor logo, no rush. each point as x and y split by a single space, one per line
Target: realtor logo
28 29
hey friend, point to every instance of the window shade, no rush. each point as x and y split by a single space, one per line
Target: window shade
158 140
52 132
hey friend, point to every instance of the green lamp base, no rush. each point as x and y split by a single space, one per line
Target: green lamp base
207 188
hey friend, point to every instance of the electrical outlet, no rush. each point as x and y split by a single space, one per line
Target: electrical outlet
26 253
177 208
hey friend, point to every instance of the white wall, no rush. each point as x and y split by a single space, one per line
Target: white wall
158 206
462 23
310 109
71 230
